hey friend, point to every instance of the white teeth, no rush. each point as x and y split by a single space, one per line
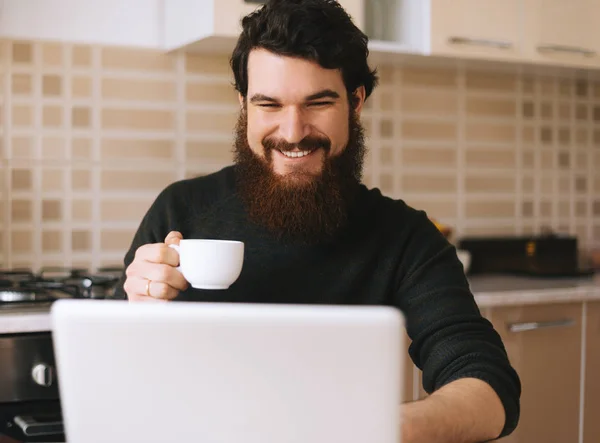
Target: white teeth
295 154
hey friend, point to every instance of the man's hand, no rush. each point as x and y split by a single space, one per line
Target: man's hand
152 276
464 411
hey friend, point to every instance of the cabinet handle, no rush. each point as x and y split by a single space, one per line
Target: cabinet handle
480 42
532 326
571 49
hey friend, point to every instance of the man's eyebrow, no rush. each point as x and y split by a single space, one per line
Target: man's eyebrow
262 98
325 93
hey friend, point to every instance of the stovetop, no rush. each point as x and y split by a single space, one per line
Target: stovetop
23 288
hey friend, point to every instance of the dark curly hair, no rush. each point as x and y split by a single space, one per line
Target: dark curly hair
316 30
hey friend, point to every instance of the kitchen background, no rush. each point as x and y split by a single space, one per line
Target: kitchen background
90 134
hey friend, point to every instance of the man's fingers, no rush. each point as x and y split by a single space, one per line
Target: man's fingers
157 253
173 238
141 289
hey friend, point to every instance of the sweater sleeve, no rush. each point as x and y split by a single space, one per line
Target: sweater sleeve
159 220
450 337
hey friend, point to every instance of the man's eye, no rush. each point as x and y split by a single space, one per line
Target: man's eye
319 104
269 105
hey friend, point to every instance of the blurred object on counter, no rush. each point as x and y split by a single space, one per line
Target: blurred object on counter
445 230
595 259
465 259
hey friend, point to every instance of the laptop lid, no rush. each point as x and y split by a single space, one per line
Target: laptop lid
220 372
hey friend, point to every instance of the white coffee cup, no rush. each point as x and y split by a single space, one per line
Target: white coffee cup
210 264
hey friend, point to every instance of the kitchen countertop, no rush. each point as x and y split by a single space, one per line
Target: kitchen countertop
489 291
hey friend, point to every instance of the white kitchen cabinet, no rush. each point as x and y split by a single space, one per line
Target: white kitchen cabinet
561 32
591 409
543 343
476 28
136 23
214 25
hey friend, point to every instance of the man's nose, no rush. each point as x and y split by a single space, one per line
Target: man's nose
293 127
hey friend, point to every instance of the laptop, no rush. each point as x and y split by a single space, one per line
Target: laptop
228 372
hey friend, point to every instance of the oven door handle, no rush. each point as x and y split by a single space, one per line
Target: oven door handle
34 428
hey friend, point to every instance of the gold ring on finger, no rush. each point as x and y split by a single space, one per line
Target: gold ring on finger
148 288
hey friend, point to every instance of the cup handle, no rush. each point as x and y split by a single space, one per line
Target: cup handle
176 247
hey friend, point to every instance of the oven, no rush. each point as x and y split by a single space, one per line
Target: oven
29 383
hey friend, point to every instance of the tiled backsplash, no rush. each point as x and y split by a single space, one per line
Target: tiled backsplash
89 135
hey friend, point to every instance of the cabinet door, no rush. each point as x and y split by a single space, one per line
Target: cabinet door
563 32
228 14
543 343
591 424
476 28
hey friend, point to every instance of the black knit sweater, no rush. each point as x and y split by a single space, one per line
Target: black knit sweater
390 254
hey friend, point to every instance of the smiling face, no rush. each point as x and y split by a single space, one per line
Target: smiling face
299 148
297 114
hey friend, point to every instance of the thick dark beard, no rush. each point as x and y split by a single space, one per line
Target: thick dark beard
312 210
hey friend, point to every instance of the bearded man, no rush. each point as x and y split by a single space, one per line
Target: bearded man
313 233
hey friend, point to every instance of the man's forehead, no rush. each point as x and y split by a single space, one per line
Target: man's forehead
271 73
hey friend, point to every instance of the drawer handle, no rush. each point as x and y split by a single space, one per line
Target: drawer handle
570 49
532 326
480 42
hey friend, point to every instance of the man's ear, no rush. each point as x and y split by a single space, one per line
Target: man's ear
358 99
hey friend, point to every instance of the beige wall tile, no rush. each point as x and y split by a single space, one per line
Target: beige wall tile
496 158
22 84
528 159
209 65
581 209
489 107
386 75
137 89
138 119
135 180
489 132
82 56
490 184
51 85
51 210
206 93
22 52
490 209
210 121
52 116
437 209
21 241
81 87
52 54
445 104
22 115
428 183
22 147
21 210
21 180
81 148
528 184
528 134
52 180
209 150
123 210
429 77
81 240
386 184
137 59
386 102
81 210
81 179
81 117
140 149
422 156
488 81
116 240
54 148
51 241
547 184
546 209
564 209
423 130
386 155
